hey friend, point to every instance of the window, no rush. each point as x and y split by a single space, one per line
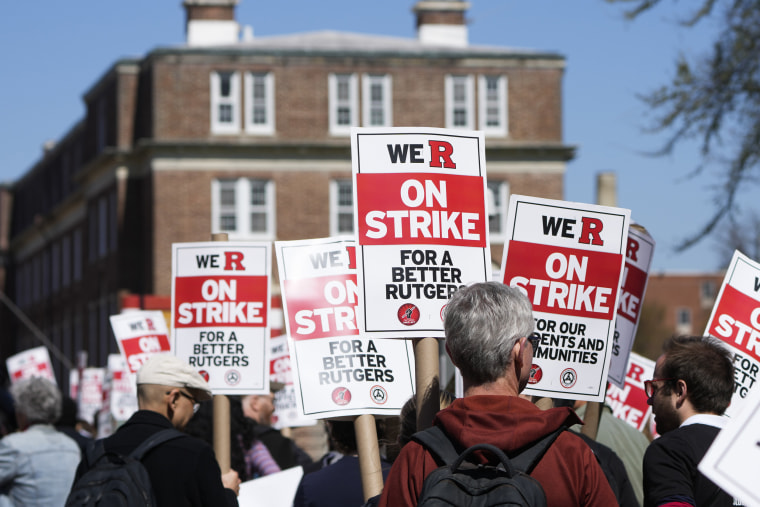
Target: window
259 103
243 208
498 198
492 105
341 207
342 90
459 102
683 320
225 99
376 101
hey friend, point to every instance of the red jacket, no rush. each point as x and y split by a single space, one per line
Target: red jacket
568 472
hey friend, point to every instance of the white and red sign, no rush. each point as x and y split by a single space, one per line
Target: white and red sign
140 334
568 258
30 363
336 371
638 259
731 462
220 307
286 412
90 393
120 388
735 320
422 225
630 403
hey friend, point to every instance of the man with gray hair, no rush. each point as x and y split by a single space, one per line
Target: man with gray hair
37 463
488 330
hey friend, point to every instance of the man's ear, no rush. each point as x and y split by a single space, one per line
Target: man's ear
682 391
517 352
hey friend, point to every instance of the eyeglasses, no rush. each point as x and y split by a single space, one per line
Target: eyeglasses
196 405
535 341
650 389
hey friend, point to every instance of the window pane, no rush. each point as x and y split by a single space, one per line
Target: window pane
345 193
227 196
258 222
225 83
225 113
344 116
259 115
345 222
227 223
258 193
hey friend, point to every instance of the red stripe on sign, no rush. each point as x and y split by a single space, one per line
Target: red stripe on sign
565 281
419 208
632 293
322 307
220 301
736 321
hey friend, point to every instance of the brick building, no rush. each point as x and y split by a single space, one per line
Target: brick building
675 303
250 136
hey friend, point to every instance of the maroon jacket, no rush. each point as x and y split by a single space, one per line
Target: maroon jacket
568 472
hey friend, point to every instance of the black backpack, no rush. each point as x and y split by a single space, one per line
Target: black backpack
116 480
462 483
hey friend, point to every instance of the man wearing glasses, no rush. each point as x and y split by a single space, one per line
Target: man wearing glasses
692 387
182 471
488 329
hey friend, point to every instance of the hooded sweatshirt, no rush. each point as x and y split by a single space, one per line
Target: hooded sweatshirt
568 472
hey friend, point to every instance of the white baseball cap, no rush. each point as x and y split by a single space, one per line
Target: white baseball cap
169 370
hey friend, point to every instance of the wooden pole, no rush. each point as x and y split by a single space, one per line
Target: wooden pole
369 455
222 413
427 381
591 419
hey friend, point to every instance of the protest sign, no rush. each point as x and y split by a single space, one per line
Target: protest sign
220 304
30 363
735 320
733 456
638 258
286 412
630 402
90 393
422 225
120 388
139 335
568 258
336 371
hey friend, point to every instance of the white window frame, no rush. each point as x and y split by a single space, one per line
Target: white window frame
267 103
486 102
217 126
243 209
334 103
498 203
453 103
386 102
337 209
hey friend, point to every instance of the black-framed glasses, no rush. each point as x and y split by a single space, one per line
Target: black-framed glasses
535 342
195 403
650 389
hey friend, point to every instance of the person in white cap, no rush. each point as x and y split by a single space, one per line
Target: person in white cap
183 471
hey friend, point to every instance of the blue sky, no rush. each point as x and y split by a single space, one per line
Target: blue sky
55 51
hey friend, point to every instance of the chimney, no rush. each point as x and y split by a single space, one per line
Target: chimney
442 22
211 22
606 189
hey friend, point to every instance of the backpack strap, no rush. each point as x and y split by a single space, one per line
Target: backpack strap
93 452
528 458
155 440
438 443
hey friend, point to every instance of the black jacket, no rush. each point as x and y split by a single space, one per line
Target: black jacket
183 471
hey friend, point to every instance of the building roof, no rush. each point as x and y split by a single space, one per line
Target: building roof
328 42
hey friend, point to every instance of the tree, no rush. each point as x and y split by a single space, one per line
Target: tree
742 233
716 100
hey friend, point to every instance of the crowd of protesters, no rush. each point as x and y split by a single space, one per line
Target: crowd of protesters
488 329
